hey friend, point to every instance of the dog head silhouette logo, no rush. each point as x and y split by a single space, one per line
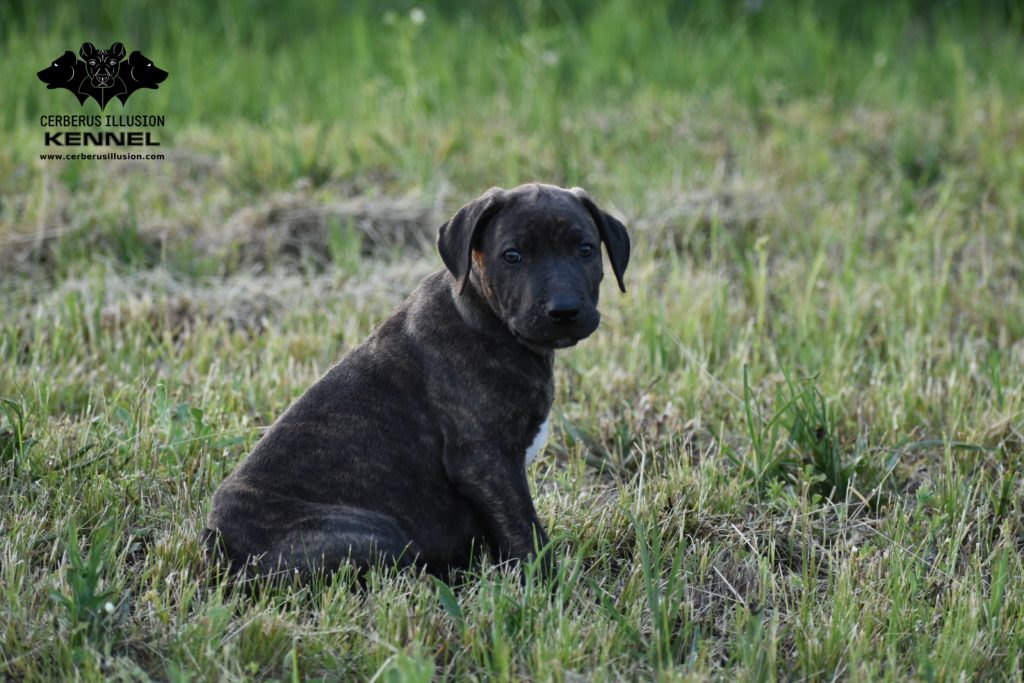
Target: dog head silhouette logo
67 71
102 74
141 73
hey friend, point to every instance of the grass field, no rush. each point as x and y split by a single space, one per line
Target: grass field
792 451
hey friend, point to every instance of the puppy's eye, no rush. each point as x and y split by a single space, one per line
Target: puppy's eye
512 256
586 250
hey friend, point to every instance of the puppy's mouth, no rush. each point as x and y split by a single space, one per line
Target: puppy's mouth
563 342
548 344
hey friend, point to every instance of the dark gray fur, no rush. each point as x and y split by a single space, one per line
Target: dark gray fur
411 449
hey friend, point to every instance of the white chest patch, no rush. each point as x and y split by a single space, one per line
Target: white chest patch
538 442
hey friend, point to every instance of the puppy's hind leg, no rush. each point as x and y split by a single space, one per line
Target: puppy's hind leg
335 535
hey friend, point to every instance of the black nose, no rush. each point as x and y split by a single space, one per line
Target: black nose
563 311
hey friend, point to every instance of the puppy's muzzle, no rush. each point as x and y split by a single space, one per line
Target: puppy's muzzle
563 310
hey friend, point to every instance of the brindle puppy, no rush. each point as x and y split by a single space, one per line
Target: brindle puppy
412 449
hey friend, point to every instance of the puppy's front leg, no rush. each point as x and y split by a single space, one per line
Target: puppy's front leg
496 486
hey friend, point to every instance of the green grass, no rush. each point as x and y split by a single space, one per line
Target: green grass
793 449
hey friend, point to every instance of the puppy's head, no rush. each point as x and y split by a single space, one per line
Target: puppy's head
534 254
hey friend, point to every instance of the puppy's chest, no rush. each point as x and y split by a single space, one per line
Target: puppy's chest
509 411
533 435
539 441
518 432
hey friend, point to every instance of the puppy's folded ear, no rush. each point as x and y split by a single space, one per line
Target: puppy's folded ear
456 238
613 234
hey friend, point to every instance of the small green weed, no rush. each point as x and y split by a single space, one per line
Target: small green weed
91 607
15 441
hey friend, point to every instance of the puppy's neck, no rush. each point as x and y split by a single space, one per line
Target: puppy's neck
476 311
477 314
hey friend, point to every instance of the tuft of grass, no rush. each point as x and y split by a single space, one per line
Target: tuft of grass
811 425
15 439
91 608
